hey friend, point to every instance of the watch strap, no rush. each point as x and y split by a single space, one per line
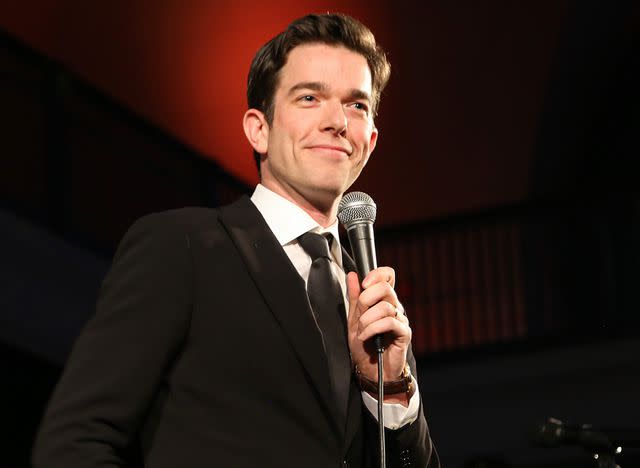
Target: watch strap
405 384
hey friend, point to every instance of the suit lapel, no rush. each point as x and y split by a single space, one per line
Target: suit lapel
283 291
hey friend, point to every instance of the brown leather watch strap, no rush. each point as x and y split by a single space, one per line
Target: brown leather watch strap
405 384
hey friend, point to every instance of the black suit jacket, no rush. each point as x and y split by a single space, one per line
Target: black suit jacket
203 352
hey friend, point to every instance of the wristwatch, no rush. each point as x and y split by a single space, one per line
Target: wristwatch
405 384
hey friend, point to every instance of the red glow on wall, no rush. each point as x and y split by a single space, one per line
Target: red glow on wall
180 64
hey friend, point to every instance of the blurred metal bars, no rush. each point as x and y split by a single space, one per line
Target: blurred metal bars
462 284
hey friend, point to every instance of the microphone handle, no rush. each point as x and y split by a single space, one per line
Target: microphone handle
363 248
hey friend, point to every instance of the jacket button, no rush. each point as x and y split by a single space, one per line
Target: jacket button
405 458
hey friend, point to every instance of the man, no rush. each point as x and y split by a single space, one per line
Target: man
208 347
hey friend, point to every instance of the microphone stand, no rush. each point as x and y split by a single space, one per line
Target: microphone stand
383 452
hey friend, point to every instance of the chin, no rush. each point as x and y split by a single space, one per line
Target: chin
325 194
335 189
329 181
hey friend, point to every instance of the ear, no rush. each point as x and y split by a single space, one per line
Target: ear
372 143
256 130
373 140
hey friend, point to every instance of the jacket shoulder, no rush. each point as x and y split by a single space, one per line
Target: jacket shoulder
183 219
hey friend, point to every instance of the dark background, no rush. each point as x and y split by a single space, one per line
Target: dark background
505 177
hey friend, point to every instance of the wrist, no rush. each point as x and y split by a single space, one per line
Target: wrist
397 399
396 391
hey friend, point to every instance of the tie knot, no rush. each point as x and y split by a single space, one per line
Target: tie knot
315 245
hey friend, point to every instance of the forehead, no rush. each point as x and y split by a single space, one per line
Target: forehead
336 66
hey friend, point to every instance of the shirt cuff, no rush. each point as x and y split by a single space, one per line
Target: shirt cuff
395 415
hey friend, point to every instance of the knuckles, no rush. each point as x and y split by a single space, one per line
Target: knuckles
391 309
392 275
387 308
375 293
383 274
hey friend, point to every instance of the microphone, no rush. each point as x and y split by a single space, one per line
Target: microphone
554 433
357 212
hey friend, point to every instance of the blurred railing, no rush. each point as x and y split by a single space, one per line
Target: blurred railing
77 161
553 271
462 285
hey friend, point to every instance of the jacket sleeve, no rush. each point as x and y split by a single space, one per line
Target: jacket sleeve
121 357
409 446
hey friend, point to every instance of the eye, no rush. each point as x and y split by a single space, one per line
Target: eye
361 106
307 98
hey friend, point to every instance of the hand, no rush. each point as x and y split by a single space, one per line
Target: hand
372 310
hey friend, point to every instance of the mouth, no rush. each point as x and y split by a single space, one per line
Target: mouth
332 150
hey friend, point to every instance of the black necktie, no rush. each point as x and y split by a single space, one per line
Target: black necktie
327 303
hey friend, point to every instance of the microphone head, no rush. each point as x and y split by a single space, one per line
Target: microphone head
356 208
550 433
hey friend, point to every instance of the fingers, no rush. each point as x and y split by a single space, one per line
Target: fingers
376 293
376 309
381 274
379 311
379 289
399 329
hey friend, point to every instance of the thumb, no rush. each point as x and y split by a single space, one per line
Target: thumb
353 293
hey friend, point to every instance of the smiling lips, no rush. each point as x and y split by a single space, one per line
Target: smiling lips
332 148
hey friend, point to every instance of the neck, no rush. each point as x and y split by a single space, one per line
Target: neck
322 208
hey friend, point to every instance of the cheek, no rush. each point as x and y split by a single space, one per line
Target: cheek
293 123
362 137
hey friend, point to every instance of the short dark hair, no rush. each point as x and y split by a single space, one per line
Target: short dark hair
333 29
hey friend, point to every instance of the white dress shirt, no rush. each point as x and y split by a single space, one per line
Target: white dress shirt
288 221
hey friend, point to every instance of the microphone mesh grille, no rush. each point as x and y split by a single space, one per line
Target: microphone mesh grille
356 206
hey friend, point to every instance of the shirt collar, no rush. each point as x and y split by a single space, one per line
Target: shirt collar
288 221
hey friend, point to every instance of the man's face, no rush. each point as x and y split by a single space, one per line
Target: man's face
322 131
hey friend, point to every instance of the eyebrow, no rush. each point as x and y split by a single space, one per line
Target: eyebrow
322 87
359 94
312 85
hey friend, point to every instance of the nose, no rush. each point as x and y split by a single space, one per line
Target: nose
334 118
